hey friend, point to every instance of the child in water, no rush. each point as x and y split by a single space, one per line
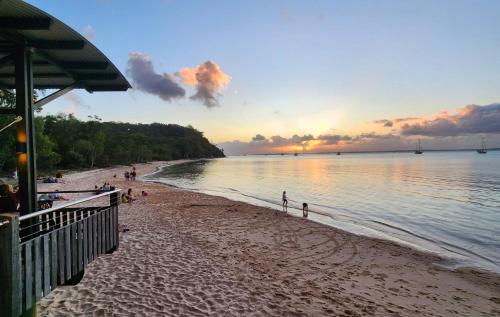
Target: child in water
285 202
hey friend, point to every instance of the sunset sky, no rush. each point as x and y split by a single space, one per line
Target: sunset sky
271 76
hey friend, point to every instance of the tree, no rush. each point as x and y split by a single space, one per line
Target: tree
46 157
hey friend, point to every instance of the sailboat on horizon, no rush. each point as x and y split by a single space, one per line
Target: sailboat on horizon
418 148
483 149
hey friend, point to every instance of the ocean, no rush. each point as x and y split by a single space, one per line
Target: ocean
444 202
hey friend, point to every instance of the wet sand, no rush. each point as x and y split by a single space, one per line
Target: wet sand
191 254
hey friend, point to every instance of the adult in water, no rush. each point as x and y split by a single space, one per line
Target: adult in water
285 202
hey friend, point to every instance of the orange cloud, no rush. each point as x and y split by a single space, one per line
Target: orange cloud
188 76
208 78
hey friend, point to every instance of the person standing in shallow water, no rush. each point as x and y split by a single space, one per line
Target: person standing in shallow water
285 202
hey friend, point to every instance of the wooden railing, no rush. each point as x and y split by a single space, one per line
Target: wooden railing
49 248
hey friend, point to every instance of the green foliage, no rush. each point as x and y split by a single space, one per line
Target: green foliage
47 157
64 142
7 137
7 98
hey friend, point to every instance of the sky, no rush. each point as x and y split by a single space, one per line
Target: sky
305 76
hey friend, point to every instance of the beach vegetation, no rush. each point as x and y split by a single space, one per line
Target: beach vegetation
65 142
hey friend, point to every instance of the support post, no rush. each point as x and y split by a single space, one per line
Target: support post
114 202
10 270
26 159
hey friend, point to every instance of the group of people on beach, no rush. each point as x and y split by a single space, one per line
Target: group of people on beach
9 198
129 198
130 175
105 187
305 206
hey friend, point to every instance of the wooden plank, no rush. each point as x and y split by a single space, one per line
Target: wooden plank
74 249
53 259
28 275
91 238
46 264
18 305
108 230
117 241
80 238
99 234
111 228
67 250
10 266
103 233
90 233
113 233
38 269
94 237
85 239
61 258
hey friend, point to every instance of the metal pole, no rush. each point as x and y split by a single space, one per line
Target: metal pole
26 160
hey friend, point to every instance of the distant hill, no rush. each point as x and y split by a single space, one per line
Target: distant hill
65 142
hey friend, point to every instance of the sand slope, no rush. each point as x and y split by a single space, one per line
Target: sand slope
190 254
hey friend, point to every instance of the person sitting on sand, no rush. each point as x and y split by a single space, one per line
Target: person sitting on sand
305 210
130 197
144 193
57 196
122 228
124 198
285 202
9 200
50 180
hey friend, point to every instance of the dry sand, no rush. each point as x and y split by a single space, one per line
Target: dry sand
191 254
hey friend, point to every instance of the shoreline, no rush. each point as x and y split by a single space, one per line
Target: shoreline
443 262
447 262
294 266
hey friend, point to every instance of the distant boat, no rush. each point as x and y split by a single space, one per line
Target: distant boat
338 153
418 148
483 149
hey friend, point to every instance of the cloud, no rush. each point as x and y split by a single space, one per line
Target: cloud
333 138
471 119
401 120
141 70
258 138
75 102
89 33
384 122
458 130
208 79
374 135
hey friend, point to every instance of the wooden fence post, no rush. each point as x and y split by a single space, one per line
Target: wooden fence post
10 265
114 202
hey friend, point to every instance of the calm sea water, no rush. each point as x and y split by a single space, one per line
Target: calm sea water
444 202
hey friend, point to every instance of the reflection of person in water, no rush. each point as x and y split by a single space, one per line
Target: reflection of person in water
285 202
305 210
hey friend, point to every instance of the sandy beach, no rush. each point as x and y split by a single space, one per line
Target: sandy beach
191 254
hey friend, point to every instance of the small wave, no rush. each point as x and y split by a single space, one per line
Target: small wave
450 247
